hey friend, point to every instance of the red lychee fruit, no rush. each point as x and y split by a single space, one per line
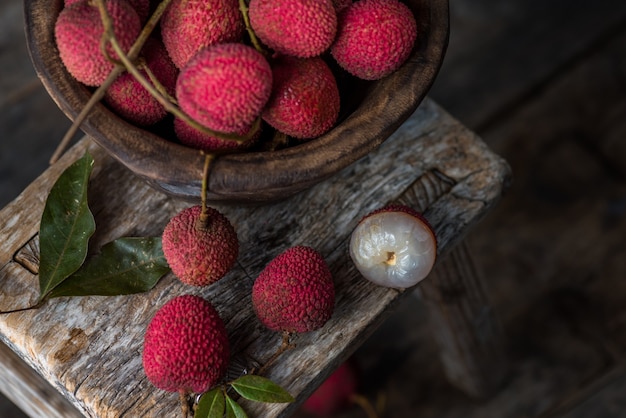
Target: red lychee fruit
225 86
394 246
374 38
186 347
301 28
200 252
78 31
295 292
142 7
187 26
190 136
305 97
335 394
129 99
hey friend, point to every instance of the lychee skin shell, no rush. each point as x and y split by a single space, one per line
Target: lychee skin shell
334 394
186 346
305 98
130 100
199 257
300 28
295 292
190 136
187 26
374 38
78 31
225 86
395 207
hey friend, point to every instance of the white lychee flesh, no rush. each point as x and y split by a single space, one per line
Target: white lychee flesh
393 249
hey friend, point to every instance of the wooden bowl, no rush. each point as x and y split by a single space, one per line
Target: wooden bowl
379 108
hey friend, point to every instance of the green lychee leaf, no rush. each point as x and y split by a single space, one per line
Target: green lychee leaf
261 389
125 266
233 409
66 226
211 404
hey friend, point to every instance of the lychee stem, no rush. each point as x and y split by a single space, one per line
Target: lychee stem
175 110
279 139
156 83
243 7
28 308
99 93
170 106
203 220
364 404
184 405
284 346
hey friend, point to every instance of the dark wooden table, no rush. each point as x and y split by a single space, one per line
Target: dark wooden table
89 348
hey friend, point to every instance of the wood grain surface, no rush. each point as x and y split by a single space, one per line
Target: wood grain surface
89 348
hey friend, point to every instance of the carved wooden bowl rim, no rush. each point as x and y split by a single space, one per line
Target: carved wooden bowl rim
252 176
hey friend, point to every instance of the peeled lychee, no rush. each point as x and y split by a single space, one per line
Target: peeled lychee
394 246
194 138
130 100
301 28
374 38
335 394
225 86
200 253
295 292
305 97
186 346
78 31
187 26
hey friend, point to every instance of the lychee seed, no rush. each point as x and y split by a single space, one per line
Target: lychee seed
197 254
295 292
374 38
225 86
394 247
186 347
300 28
305 98
78 33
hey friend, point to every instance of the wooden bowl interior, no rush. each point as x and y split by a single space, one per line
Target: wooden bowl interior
371 111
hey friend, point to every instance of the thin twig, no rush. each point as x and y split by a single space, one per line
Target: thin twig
204 216
184 405
175 110
284 346
117 70
28 308
364 404
243 7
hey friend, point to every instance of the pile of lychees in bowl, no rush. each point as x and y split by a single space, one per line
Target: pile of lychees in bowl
283 93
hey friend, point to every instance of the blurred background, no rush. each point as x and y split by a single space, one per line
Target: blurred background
544 84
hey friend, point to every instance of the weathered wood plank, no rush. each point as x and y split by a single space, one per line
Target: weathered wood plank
91 347
468 333
29 391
